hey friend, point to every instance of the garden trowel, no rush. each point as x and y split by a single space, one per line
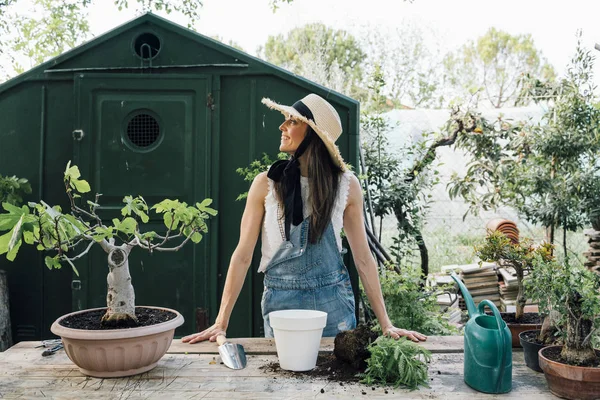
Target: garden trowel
232 355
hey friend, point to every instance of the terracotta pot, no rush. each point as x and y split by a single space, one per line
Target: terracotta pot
516 329
117 352
530 351
505 226
568 381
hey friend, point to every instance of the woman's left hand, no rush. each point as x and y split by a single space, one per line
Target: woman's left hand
397 333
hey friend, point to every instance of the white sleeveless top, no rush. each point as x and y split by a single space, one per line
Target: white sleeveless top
273 233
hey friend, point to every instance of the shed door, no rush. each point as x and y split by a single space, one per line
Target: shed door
146 135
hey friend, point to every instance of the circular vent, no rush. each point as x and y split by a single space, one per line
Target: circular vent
143 130
146 45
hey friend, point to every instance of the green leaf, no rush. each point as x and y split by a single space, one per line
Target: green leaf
196 237
72 172
28 237
12 254
127 226
205 203
52 262
203 206
16 235
81 186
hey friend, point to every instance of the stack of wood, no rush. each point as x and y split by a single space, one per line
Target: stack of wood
593 254
481 281
508 228
509 289
449 306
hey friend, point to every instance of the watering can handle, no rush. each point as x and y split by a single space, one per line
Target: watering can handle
501 351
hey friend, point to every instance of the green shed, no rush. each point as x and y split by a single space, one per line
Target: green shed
154 109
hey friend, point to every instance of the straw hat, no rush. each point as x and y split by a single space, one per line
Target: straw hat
319 115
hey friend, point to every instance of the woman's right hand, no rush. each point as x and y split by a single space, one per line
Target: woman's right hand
207 334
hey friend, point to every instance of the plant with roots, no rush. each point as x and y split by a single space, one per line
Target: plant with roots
72 235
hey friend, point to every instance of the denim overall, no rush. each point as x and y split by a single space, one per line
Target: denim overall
302 275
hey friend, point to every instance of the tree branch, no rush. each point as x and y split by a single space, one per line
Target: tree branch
77 257
445 141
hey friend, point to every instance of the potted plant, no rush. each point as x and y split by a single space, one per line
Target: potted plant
542 273
121 339
573 370
499 248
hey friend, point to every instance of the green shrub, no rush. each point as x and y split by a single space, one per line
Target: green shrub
409 307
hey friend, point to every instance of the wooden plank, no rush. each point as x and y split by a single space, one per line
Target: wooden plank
180 376
435 344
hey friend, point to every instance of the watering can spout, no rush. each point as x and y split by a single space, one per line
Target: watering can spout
466 296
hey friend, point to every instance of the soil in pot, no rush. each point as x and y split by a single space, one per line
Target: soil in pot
527 322
526 319
531 346
553 354
91 320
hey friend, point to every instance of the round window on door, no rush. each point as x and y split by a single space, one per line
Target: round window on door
142 131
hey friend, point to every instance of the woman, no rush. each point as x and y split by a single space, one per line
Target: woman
301 205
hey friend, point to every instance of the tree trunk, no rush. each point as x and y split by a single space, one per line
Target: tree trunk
575 351
424 255
521 300
550 328
120 298
5 330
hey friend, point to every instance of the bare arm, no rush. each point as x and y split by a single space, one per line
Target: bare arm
354 227
240 259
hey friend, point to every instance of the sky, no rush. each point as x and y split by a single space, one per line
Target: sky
552 23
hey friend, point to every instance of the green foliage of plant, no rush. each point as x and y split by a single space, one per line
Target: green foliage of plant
12 189
256 167
56 27
50 229
394 189
499 248
571 290
397 362
546 171
492 67
51 27
331 57
409 306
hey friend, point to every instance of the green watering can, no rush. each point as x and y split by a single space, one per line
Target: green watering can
488 347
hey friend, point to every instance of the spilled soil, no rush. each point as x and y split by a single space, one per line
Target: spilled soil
344 365
328 367
90 320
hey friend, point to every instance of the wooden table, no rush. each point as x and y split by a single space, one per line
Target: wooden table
190 372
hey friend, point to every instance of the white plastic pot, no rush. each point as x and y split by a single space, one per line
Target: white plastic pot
297 337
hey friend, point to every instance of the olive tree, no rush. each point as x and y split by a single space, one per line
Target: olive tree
543 170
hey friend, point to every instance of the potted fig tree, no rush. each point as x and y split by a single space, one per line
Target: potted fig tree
121 339
499 248
572 370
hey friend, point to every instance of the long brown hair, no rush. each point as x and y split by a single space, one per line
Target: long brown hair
323 184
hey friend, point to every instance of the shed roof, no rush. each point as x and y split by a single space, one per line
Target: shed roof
240 57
